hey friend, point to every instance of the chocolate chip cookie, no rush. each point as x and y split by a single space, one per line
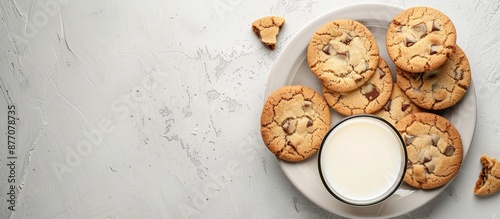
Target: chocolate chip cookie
267 28
489 178
368 98
434 149
440 88
398 106
294 121
420 38
343 54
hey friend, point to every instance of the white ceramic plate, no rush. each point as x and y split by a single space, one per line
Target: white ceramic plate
291 68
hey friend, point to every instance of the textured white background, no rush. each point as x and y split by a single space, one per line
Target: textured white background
133 109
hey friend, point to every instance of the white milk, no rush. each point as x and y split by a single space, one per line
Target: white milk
362 160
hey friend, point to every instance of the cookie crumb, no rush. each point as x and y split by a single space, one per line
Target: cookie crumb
267 28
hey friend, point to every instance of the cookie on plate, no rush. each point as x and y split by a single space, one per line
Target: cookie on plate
440 88
489 178
398 106
434 149
368 98
420 38
267 28
294 121
343 54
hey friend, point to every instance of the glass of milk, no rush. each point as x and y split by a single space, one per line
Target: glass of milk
362 160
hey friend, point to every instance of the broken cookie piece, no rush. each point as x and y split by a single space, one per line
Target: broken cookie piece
489 178
267 28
